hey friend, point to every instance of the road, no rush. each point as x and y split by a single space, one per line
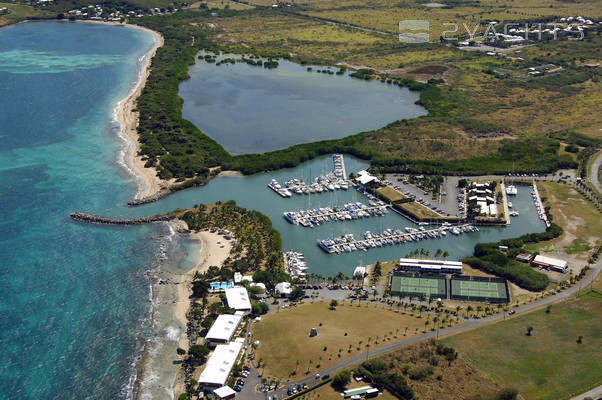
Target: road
593 172
249 393
595 393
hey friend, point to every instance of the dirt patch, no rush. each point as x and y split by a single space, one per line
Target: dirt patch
429 70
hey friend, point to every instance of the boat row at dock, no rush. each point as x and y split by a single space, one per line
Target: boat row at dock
348 243
335 180
294 263
539 205
347 212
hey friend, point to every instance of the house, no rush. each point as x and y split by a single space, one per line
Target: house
550 263
238 299
220 364
222 329
283 289
225 393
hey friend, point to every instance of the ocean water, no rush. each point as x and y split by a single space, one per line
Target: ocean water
74 299
250 109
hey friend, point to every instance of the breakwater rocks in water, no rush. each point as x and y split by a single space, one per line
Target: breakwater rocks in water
149 199
95 219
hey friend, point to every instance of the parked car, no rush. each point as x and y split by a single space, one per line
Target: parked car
324 377
511 312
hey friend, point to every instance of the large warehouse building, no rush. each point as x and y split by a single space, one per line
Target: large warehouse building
430 266
550 263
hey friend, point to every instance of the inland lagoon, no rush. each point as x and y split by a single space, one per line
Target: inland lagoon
251 109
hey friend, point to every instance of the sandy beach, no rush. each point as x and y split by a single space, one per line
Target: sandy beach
146 178
214 250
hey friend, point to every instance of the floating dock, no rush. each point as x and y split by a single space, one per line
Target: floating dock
347 212
348 243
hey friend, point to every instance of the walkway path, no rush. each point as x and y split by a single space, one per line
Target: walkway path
593 172
595 393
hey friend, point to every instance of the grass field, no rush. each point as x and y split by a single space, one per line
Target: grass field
549 364
390 194
577 216
18 12
284 336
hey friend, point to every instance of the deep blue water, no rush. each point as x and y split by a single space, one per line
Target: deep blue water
71 296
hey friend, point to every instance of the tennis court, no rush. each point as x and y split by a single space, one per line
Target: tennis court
488 289
405 285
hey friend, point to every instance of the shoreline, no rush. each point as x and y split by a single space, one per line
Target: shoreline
147 182
214 251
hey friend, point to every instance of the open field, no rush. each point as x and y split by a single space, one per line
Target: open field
441 378
284 336
577 216
18 12
549 364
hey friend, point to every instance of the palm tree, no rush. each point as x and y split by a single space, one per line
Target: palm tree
406 331
529 330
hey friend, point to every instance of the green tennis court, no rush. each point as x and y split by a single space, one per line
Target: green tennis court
476 289
417 286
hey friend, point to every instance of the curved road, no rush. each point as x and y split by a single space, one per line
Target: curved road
311 380
593 172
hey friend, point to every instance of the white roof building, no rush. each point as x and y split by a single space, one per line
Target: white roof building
364 177
223 328
429 265
552 263
284 288
238 299
225 392
220 364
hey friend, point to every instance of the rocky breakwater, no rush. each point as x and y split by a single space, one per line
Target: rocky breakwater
95 219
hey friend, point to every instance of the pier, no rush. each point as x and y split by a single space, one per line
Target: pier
348 243
95 219
347 212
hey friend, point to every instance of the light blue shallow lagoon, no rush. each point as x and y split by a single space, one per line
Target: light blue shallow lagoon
75 299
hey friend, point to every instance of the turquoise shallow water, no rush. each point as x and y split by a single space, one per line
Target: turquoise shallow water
72 297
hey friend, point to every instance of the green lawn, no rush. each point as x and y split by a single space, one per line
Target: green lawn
549 364
284 336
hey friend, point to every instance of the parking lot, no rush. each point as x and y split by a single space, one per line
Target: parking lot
445 204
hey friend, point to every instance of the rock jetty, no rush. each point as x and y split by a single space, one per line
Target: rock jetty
95 219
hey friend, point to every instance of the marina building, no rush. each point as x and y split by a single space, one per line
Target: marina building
550 263
430 266
238 299
220 364
283 289
225 393
222 329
